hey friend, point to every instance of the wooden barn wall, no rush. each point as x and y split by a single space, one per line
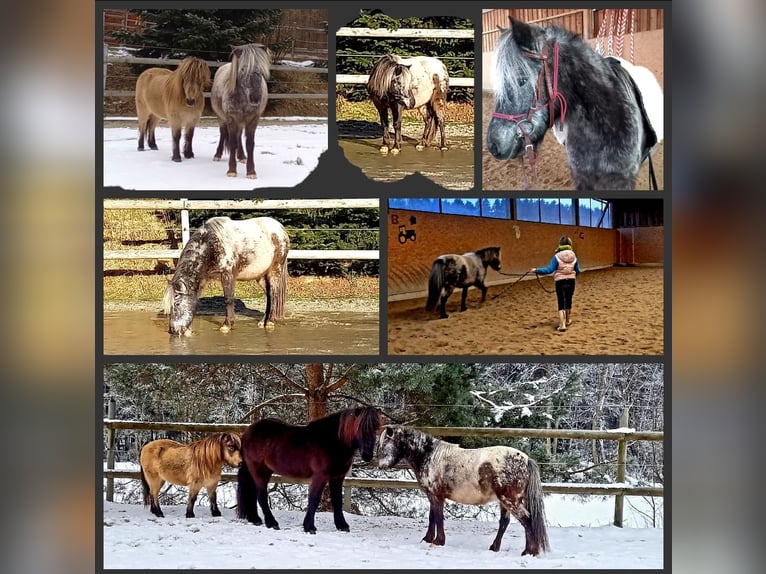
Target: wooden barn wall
648 39
522 245
641 246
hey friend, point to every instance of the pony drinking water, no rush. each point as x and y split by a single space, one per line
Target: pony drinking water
239 96
246 250
176 96
194 465
607 114
421 83
466 270
321 450
470 476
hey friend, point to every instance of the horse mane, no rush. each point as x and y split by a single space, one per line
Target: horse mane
487 253
207 454
382 73
249 61
360 421
196 69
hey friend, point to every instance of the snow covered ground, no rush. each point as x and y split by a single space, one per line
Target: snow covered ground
287 150
580 533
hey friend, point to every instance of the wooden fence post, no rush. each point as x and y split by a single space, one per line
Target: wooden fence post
110 440
622 451
184 224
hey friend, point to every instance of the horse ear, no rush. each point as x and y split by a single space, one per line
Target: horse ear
522 33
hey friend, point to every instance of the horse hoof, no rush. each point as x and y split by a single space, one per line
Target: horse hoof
216 513
177 159
231 173
443 148
384 150
419 147
216 158
270 325
189 515
344 528
251 176
190 156
225 328
242 160
154 147
395 151
188 333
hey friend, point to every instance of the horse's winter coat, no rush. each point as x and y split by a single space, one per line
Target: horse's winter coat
470 476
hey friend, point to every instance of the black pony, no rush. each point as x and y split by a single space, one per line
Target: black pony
606 112
452 270
321 450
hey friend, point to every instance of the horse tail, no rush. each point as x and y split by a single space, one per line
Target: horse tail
279 287
145 487
247 502
435 284
533 495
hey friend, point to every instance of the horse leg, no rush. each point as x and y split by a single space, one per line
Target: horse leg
227 282
396 113
154 492
223 137
188 135
175 130
151 124
505 518
234 136
483 288
261 480
250 146
336 496
427 115
383 113
213 497
463 297
521 514
265 283
439 113
435 533
316 487
194 488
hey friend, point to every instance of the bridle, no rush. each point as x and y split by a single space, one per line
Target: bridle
546 91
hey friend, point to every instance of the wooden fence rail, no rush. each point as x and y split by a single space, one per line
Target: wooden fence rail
186 205
618 490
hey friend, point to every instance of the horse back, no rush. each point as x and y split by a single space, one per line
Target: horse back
429 79
261 245
167 459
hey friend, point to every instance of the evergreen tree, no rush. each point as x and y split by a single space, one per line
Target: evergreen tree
208 34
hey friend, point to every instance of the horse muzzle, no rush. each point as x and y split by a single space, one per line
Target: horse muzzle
191 102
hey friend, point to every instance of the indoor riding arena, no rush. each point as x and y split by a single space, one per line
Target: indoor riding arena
618 303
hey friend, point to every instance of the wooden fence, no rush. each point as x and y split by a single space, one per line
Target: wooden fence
111 59
619 490
402 33
186 205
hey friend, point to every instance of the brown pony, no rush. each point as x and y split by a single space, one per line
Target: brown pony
194 465
321 450
177 96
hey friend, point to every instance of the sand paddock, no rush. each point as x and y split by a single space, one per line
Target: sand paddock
616 311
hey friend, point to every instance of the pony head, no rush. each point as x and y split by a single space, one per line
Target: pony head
179 302
391 446
521 116
401 92
360 427
195 75
231 449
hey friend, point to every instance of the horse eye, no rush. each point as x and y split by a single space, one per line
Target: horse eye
522 81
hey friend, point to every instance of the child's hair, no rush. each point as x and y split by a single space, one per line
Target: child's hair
565 240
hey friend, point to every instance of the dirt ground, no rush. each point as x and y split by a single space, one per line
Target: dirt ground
616 311
552 167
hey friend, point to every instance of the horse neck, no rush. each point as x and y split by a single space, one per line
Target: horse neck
193 263
420 451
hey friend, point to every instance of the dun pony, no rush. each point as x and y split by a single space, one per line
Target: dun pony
177 96
239 96
445 471
194 465
421 83
321 450
463 271
229 250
